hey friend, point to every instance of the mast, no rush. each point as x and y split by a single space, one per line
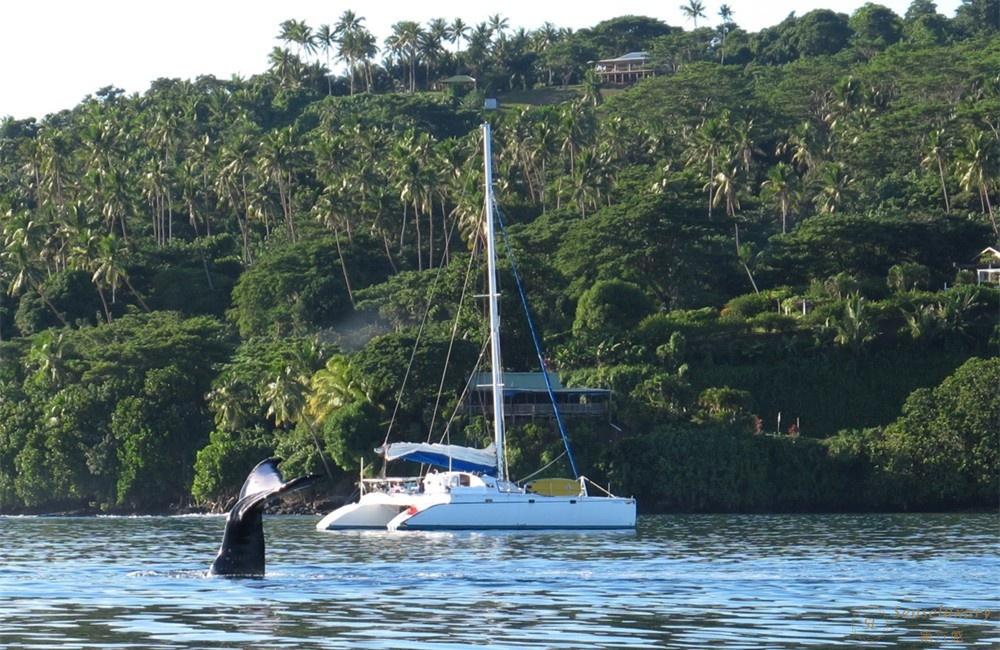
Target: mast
496 380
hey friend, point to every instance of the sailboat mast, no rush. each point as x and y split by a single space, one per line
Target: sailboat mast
496 382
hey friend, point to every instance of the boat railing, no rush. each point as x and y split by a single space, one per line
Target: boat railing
391 485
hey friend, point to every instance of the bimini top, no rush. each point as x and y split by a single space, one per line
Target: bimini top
454 457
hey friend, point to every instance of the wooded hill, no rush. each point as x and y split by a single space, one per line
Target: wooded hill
783 223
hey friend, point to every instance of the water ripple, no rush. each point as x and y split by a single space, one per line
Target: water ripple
678 581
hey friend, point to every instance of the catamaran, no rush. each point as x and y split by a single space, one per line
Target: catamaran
472 490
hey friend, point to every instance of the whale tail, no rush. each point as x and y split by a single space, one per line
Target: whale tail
242 550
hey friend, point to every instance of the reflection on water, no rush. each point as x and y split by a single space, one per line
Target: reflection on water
915 581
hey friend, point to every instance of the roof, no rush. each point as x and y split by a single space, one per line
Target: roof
632 57
522 382
519 381
459 79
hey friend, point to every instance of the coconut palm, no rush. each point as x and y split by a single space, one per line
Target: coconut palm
22 241
286 67
498 25
299 33
694 9
108 267
285 397
936 148
781 186
835 187
279 159
404 43
726 14
457 32
332 387
802 144
430 44
727 187
707 144
326 38
977 163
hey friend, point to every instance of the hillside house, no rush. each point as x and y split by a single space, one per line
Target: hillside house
624 70
525 396
988 266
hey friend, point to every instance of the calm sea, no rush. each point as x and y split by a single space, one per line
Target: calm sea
917 581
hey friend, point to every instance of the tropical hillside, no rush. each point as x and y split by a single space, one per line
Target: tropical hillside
767 250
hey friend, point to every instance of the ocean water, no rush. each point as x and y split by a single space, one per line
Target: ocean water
721 581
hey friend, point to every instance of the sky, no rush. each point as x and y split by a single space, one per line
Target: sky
55 52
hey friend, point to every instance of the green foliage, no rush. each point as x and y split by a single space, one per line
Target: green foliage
688 469
72 296
680 260
753 304
314 220
869 245
610 308
908 277
220 467
875 27
301 286
124 413
944 447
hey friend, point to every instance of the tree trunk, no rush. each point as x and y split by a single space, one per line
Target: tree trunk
343 266
944 186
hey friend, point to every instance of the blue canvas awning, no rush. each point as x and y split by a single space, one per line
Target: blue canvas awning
455 457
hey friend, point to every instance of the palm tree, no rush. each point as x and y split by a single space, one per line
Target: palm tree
404 42
708 142
22 249
726 14
108 267
727 187
937 144
285 397
977 163
803 145
457 32
498 25
431 50
332 387
855 326
694 9
781 187
592 88
236 164
279 158
326 38
286 67
299 33
543 38
835 188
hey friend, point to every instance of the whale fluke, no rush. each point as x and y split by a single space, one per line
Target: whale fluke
242 550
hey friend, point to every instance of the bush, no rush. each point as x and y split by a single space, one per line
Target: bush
610 308
908 277
752 304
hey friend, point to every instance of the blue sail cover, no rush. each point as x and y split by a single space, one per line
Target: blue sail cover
455 457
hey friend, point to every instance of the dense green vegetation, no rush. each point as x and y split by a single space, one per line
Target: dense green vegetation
763 251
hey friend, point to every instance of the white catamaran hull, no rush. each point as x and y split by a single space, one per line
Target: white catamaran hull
462 501
521 512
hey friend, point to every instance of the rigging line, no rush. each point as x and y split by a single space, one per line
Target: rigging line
539 471
413 353
465 391
451 344
535 340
